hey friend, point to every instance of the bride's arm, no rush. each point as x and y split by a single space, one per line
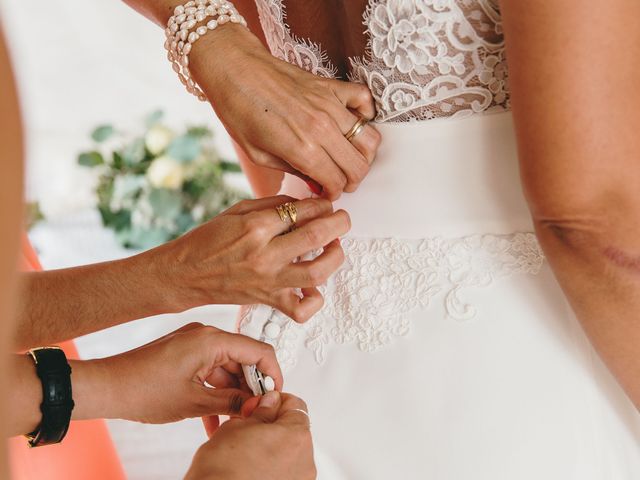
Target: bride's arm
574 75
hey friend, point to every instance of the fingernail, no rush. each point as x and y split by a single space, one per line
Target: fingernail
270 399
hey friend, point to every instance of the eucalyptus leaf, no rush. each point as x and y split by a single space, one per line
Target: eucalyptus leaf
166 203
185 222
127 186
117 161
143 238
90 159
134 153
102 133
230 167
200 132
118 221
184 149
153 118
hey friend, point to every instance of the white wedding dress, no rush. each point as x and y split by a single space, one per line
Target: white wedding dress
445 349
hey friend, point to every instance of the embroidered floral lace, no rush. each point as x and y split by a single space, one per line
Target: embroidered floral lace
368 300
426 59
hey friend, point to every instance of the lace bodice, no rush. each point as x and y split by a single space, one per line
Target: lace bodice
425 59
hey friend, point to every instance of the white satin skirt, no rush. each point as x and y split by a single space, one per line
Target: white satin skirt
445 349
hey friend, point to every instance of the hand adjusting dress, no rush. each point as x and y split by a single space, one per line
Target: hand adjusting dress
445 349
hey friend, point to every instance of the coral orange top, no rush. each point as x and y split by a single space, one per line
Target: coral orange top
87 451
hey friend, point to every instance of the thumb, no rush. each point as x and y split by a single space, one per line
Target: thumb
268 408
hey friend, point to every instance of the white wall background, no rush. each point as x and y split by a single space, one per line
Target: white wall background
81 63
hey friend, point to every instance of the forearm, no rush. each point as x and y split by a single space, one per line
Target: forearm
577 122
92 389
62 304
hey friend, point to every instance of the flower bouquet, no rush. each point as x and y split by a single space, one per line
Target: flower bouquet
156 186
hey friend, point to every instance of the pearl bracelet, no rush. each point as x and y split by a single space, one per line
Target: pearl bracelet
186 26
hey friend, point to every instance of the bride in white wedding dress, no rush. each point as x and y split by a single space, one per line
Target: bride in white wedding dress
446 348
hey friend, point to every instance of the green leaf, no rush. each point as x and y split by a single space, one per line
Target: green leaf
185 222
118 163
33 214
199 132
165 203
142 238
184 149
153 118
101 133
230 167
90 159
134 152
120 220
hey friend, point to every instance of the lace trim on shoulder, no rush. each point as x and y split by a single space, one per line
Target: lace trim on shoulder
288 47
433 58
368 300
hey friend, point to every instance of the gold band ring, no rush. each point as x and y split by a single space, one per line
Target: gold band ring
357 128
288 213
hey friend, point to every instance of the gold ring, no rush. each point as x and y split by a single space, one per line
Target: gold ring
357 128
282 213
292 211
288 213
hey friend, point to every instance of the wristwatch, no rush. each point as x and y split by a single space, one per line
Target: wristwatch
57 401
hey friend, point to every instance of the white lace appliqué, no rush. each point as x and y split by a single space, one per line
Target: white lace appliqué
286 46
434 58
368 300
426 59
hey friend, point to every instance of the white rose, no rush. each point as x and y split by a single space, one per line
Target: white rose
165 172
158 139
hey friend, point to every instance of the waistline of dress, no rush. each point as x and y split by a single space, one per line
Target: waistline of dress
449 177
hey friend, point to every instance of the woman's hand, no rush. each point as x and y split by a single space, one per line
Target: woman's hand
164 381
274 443
243 256
282 116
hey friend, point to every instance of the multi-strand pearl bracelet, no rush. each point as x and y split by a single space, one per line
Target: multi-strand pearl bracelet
187 25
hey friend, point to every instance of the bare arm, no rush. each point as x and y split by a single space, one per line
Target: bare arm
574 76
10 216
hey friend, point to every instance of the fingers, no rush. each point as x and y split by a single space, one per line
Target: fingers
316 163
313 235
222 401
245 206
300 309
268 220
355 96
268 408
307 210
367 142
243 350
290 414
221 378
249 406
317 271
353 156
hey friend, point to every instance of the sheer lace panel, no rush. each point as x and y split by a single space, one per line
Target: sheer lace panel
368 300
426 58
286 46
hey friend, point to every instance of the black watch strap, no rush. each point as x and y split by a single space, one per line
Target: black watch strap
57 400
